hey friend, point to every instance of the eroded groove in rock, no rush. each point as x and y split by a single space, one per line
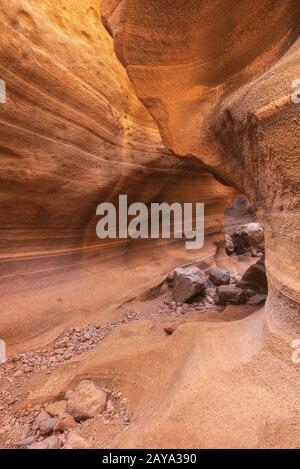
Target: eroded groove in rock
73 134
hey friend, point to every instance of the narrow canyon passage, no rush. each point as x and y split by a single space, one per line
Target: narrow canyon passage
165 102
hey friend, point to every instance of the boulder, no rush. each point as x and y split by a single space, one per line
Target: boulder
219 277
249 239
229 294
188 282
257 300
87 400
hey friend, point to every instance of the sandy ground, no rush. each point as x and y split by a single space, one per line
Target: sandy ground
219 380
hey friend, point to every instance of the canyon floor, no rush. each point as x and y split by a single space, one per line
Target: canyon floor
193 375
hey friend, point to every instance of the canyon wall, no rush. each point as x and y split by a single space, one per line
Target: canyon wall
217 77
210 82
73 134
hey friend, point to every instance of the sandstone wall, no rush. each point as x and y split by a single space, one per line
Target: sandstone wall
217 76
73 134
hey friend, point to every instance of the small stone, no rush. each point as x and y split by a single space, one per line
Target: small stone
229 245
43 415
63 342
211 292
110 408
169 330
219 277
235 278
87 400
53 442
47 425
38 445
209 300
257 300
69 393
229 294
64 423
26 442
62 439
126 420
170 278
49 443
56 408
75 441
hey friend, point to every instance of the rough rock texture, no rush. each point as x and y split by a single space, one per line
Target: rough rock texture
86 401
229 294
229 246
219 277
73 134
188 282
257 300
217 78
75 441
248 238
49 443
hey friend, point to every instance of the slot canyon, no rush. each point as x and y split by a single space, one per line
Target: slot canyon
142 343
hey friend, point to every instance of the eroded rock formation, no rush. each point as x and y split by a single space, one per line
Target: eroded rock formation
217 78
73 134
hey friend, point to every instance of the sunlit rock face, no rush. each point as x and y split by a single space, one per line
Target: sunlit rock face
73 134
217 77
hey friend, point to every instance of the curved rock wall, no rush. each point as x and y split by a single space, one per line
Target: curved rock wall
217 77
73 134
